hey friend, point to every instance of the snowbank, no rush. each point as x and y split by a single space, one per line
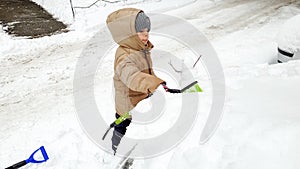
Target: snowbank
257 131
60 9
68 10
289 36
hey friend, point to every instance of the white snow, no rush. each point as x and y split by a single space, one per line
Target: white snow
260 126
289 35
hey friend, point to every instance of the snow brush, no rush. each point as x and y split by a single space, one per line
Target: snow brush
191 88
31 159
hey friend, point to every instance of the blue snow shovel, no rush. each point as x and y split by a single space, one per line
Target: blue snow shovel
31 159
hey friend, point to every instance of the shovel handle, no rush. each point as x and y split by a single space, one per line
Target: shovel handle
107 130
18 165
116 122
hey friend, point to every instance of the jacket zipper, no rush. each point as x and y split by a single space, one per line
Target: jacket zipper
145 55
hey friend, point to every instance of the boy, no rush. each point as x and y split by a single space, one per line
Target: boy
134 79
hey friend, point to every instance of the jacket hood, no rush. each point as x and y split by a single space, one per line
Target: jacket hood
121 25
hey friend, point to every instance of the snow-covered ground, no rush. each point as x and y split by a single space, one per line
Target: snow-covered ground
260 126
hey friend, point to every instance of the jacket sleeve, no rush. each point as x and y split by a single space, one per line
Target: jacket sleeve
133 78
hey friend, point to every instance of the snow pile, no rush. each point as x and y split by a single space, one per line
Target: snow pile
246 49
60 9
257 131
289 35
90 12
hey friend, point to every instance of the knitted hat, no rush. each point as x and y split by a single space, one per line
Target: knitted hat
142 21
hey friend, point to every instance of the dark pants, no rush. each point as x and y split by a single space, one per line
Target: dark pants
121 128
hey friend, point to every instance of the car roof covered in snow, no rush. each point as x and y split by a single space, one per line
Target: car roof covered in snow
288 38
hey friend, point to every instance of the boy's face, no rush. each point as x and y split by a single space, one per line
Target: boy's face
144 35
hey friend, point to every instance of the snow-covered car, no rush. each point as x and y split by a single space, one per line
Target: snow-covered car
288 40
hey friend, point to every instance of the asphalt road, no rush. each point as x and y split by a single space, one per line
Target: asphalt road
26 18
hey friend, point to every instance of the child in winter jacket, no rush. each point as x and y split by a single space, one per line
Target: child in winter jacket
134 79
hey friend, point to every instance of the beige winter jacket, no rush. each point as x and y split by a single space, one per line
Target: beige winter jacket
134 78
